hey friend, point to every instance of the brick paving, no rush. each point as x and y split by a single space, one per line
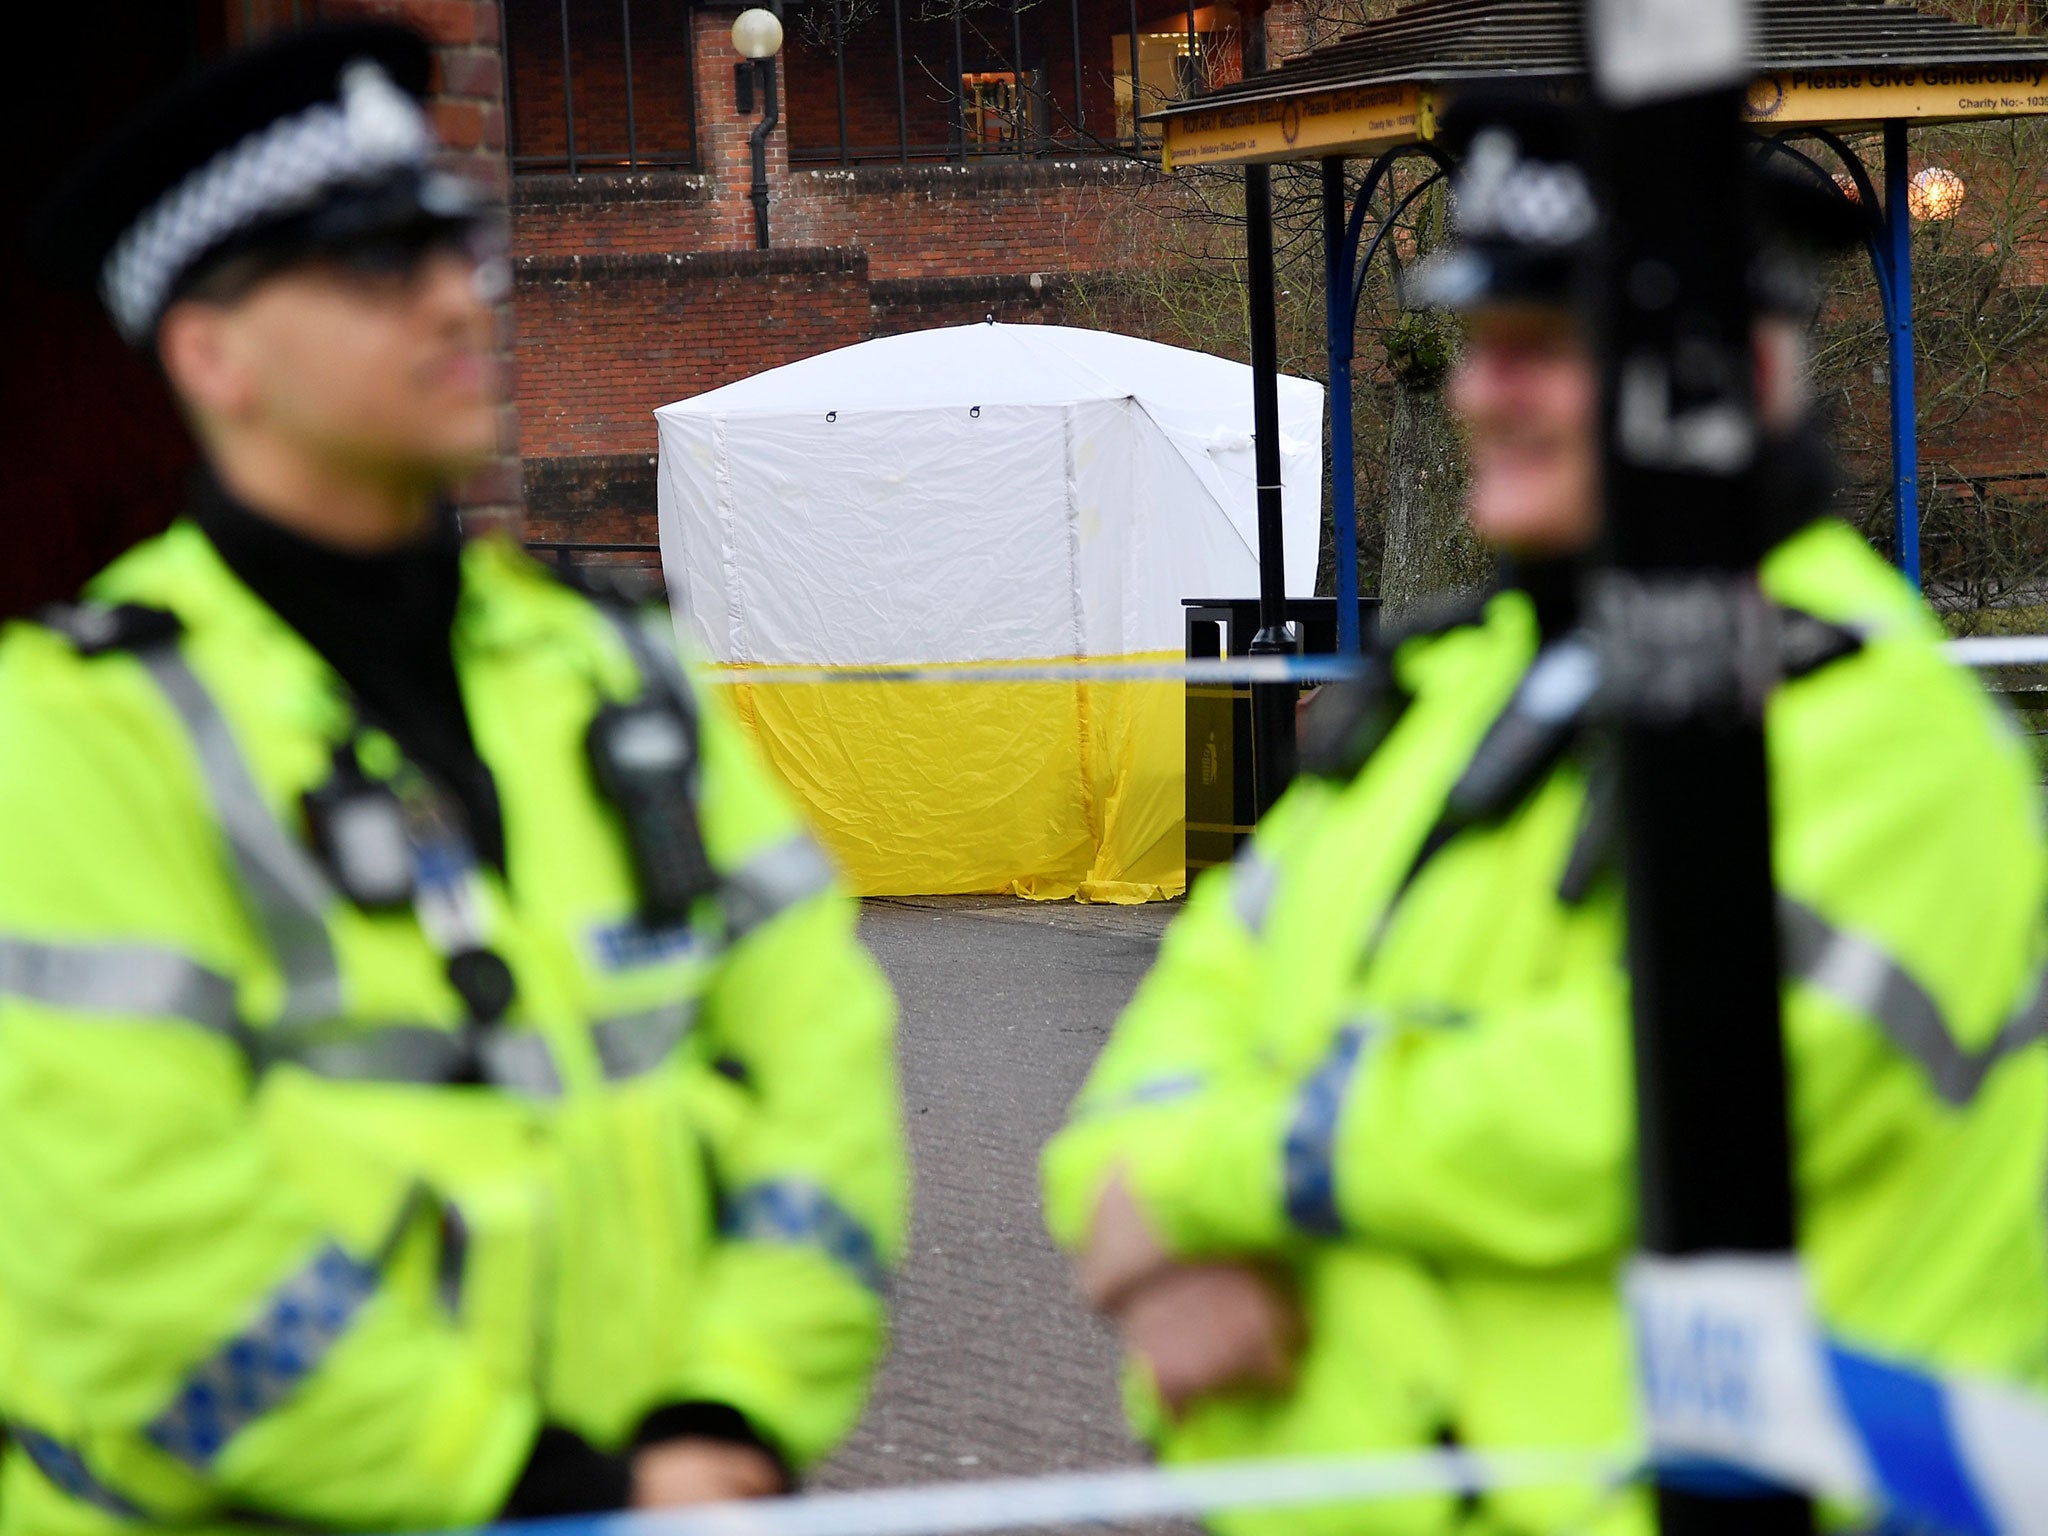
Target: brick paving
997 1370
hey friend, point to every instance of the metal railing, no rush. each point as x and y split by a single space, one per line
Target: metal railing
1011 86
1028 121
574 21
562 553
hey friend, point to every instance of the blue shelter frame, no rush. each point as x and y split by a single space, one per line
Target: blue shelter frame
1348 258
1888 236
1345 270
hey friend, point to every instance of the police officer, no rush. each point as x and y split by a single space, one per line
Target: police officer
1355 1170
438 1077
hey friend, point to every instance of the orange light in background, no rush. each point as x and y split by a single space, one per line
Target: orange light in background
1935 194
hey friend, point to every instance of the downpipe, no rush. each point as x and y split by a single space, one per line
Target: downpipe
757 141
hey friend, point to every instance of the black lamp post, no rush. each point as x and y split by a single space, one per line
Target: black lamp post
1677 602
1273 705
757 36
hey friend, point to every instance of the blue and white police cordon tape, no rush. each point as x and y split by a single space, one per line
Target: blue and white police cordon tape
2000 650
1238 669
1737 1375
1740 1388
1978 651
1088 1498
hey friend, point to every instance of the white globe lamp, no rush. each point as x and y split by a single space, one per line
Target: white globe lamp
757 34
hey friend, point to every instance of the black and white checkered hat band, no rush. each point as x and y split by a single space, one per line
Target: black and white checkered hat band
374 129
1503 195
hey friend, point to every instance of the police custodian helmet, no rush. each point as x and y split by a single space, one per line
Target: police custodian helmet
1522 204
1525 213
312 143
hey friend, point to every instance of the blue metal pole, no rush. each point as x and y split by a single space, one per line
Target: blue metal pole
1339 251
1898 218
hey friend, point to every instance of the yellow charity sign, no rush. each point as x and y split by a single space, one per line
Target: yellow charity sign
1349 120
1876 93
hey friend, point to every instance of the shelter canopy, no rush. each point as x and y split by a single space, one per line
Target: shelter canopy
1839 63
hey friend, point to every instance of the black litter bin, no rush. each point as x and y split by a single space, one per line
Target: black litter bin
1222 797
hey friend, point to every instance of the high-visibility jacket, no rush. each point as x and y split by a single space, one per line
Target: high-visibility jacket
1410 1087
263 1260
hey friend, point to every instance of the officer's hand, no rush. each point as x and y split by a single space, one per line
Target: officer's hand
1204 1328
702 1471
1122 1252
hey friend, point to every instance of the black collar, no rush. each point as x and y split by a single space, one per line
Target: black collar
383 622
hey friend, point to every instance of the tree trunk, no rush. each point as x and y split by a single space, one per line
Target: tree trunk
1430 547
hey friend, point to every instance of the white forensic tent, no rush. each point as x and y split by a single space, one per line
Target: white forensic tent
982 493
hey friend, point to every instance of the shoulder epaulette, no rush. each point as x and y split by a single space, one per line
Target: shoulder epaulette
1435 615
1552 703
95 628
1348 720
1806 643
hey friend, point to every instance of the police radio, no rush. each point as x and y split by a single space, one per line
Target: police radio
358 826
644 756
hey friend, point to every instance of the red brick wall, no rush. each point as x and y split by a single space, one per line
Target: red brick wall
616 317
924 303
1291 32
975 220
605 215
996 216
604 340
594 499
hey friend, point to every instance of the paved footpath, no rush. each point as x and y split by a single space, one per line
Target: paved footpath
996 1369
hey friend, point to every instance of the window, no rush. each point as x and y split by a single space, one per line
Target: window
1172 66
999 114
